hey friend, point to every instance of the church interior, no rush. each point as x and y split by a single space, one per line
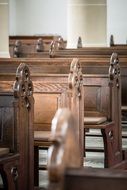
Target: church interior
63 94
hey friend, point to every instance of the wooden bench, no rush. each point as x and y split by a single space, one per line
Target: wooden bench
64 161
50 92
16 116
102 97
32 44
44 83
55 96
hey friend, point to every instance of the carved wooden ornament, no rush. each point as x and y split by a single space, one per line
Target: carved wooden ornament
114 69
75 78
39 46
23 87
17 48
52 49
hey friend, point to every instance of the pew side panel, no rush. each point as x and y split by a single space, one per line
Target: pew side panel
9 155
23 119
52 91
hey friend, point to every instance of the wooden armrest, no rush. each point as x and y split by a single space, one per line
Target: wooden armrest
42 135
124 108
94 120
4 151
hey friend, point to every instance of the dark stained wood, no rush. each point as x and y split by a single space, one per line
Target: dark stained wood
102 96
64 171
19 118
91 178
71 97
50 80
50 92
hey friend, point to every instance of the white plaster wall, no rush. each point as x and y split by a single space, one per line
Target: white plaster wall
117 20
4 29
87 18
12 17
33 17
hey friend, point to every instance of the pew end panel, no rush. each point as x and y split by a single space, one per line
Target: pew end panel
9 154
52 92
22 120
103 100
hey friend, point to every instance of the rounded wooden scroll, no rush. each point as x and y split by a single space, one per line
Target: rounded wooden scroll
52 50
60 42
64 151
79 44
23 86
75 78
17 48
39 46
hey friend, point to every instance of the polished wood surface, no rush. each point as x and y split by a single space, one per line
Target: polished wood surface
17 127
64 172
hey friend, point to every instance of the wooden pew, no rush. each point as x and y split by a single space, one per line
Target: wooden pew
64 161
102 96
50 87
44 83
17 124
29 44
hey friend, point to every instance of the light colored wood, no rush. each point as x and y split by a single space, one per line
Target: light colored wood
4 151
64 151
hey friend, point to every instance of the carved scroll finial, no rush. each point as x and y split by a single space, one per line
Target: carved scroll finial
60 42
52 50
79 44
64 151
75 77
111 40
23 86
17 48
40 45
114 69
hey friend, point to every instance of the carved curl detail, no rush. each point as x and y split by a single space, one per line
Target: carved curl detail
52 50
75 78
114 69
17 48
23 86
40 45
79 43
60 42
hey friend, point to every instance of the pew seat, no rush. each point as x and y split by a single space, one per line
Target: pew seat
42 138
94 120
4 151
124 108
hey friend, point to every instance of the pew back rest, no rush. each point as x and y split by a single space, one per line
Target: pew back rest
97 99
8 130
103 92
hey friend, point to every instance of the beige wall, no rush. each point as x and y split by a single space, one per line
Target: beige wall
87 18
4 29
